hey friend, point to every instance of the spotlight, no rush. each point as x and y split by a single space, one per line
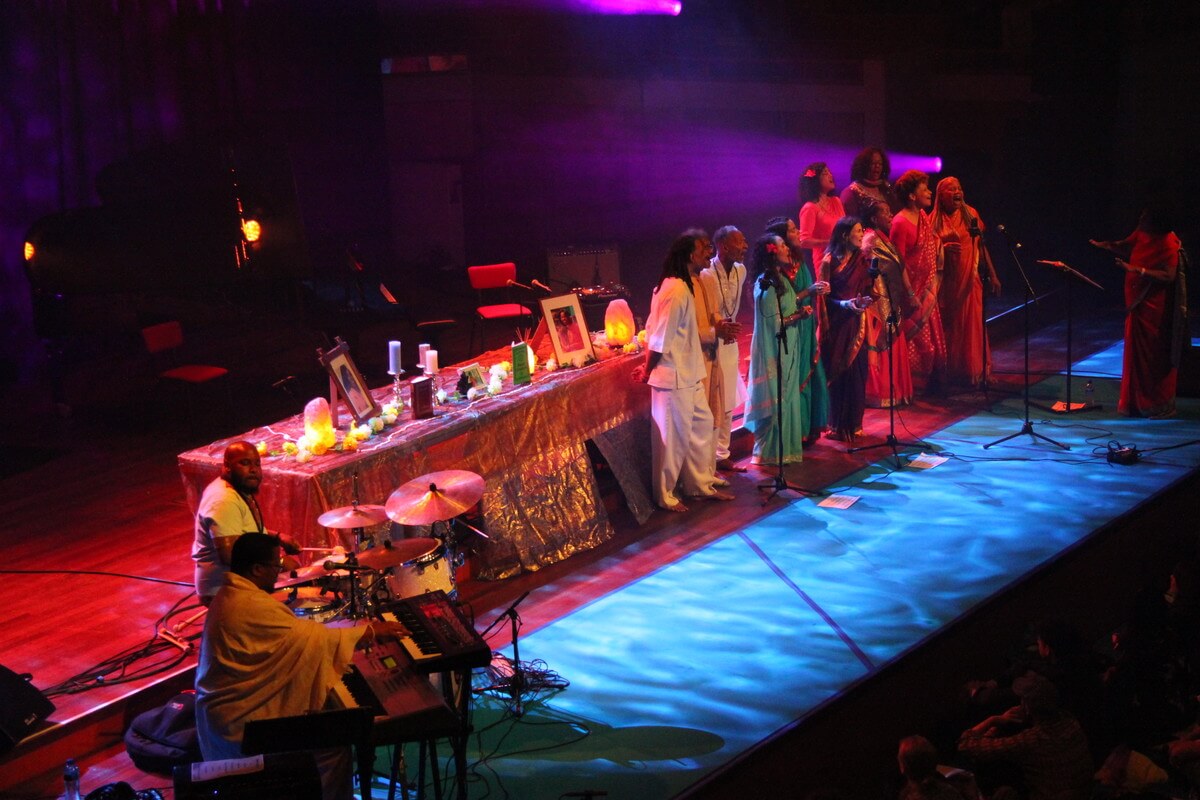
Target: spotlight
29 251
252 230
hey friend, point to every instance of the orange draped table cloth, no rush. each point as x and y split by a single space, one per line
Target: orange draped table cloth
541 503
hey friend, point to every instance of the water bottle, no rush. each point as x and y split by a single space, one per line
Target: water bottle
71 780
1089 394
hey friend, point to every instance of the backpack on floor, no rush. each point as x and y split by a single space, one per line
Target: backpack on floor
160 738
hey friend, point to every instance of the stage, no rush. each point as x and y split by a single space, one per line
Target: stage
692 644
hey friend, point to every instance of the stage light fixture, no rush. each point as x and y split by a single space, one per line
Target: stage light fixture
252 230
29 251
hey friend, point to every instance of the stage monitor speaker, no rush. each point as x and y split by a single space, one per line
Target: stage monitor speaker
22 707
572 267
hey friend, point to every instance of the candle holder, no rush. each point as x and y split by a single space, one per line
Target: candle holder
397 400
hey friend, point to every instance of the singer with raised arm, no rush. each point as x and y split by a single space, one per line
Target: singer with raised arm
843 343
228 508
960 298
258 660
776 418
1155 317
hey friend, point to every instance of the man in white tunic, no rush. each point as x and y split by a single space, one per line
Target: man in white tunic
723 280
259 661
681 442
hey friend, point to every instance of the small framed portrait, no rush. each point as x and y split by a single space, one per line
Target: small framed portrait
567 328
349 381
474 374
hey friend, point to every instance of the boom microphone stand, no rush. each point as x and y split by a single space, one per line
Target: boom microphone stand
780 483
1013 247
1070 276
892 324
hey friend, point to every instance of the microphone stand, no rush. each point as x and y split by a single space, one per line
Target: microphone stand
779 483
1070 276
893 324
983 273
1013 247
516 681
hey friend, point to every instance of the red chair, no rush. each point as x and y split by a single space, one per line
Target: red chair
495 278
161 342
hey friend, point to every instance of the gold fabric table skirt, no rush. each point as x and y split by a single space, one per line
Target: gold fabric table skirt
541 502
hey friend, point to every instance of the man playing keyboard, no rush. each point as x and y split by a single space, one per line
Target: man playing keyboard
259 661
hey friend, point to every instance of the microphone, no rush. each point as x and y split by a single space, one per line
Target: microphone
1058 264
873 270
511 282
541 285
1015 245
973 226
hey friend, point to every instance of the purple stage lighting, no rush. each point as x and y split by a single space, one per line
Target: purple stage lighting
907 161
671 7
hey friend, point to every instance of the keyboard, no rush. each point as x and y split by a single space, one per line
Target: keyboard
442 639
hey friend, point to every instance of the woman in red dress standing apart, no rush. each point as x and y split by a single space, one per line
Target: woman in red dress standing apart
819 212
1155 317
958 226
912 234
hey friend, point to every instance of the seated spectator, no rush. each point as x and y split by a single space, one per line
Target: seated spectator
922 781
1045 741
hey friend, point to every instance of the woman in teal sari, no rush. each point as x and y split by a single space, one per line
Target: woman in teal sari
778 429
814 395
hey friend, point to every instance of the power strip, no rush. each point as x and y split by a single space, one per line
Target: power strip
1123 455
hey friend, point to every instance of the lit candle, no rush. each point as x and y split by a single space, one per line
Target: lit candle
422 349
431 364
394 367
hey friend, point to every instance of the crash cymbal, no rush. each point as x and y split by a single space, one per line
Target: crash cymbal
435 497
393 554
301 575
350 517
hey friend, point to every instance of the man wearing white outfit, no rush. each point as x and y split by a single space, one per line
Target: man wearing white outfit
681 423
723 280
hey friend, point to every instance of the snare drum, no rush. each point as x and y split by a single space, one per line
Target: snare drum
426 573
309 603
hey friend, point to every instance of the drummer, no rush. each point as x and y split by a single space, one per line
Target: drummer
228 508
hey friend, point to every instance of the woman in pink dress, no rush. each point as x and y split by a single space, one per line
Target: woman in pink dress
960 230
819 211
1155 317
912 234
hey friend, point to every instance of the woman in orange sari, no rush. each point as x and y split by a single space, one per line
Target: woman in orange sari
912 234
889 379
960 300
1155 317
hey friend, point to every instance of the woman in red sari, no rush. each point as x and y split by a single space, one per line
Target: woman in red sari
889 379
1155 316
960 300
844 339
912 234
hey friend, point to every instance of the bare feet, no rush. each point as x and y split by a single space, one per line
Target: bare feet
716 495
725 465
678 508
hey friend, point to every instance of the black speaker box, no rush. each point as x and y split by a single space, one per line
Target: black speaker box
22 707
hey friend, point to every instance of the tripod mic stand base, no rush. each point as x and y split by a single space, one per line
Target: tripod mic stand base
1026 428
779 485
892 442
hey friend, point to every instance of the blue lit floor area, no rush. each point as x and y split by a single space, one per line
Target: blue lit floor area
677 674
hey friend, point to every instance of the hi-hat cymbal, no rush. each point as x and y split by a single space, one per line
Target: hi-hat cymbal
349 517
435 497
393 554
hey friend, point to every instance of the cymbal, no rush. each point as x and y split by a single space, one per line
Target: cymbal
435 497
302 575
349 517
393 554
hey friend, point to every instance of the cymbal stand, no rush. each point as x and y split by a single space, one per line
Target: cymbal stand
1013 247
779 483
892 324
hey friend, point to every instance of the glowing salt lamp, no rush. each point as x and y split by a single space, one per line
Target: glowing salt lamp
318 424
618 323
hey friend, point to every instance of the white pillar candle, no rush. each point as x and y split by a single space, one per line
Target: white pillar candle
431 362
394 367
422 349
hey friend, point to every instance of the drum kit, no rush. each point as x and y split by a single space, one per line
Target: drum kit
351 584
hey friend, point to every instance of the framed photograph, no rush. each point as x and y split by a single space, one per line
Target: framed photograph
349 381
474 373
567 328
